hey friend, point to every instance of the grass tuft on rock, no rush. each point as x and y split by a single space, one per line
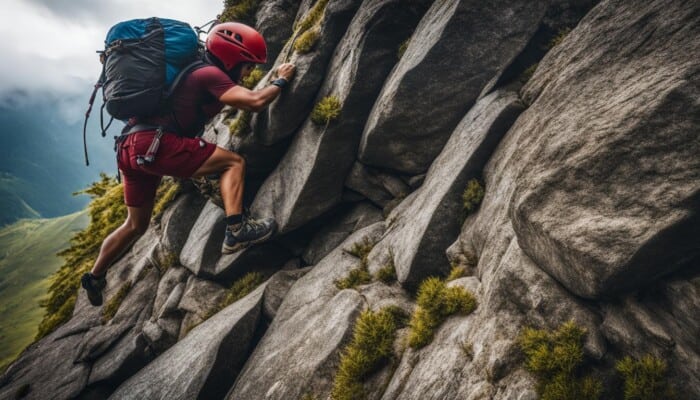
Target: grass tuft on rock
238 290
645 379
306 41
387 273
435 303
239 11
472 196
556 358
359 275
112 306
167 192
250 81
241 125
327 110
371 346
456 272
313 17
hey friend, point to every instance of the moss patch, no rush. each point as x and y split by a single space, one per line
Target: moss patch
112 306
436 302
306 41
167 192
239 11
371 346
472 196
327 110
556 359
313 17
254 78
645 379
241 125
238 290
359 275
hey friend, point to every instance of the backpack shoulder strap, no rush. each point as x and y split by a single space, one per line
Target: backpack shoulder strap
195 65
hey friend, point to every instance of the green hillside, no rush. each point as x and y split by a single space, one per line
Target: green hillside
12 205
27 258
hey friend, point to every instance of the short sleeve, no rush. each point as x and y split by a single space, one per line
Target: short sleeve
214 80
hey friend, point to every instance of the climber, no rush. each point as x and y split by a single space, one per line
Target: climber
232 50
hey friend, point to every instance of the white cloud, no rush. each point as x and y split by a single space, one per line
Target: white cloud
50 44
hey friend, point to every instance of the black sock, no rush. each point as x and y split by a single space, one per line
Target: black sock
234 220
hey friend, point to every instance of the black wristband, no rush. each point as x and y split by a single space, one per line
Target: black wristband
280 83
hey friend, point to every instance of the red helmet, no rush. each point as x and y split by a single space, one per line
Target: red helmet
233 43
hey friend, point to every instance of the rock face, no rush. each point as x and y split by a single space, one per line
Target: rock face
454 52
309 179
609 195
590 213
425 224
195 366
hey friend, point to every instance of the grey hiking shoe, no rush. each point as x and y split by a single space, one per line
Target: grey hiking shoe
93 286
250 231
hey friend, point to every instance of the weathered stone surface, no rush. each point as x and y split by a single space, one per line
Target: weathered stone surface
456 49
205 363
337 230
429 220
202 252
309 179
178 219
277 287
286 114
274 21
298 353
379 187
170 289
201 295
609 193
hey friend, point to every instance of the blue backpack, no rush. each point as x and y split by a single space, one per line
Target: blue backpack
143 62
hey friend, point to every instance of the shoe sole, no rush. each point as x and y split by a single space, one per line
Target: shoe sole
225 249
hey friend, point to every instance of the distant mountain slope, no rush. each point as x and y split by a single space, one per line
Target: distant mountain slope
12 205
27 258
42 155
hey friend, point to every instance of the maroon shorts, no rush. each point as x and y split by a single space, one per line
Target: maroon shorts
177 156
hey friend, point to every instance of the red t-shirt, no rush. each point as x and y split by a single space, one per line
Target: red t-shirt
195 101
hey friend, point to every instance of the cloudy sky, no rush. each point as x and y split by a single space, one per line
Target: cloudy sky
48 50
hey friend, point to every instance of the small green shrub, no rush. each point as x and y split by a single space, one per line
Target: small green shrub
556 358
112 306
359 275
558 38
250 81
387 273
456 272
403 47
371 346
645 379
22 391
239 11
436 302
313 17
241 125
306 41
356 277
472 196
327 110
238 290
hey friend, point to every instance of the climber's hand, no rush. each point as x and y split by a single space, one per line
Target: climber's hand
286 71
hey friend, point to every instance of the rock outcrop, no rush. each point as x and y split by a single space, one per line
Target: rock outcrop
578 120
